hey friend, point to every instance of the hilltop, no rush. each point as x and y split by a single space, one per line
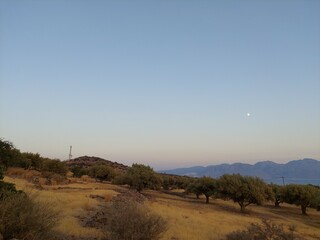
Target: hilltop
86 161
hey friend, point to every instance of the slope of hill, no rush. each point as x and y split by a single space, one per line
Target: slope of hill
86 161
188 217
306 171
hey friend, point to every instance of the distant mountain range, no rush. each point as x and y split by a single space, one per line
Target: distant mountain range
306 171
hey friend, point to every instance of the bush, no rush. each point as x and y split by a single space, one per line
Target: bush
265 231
130 220
23 217
101 172
54 166
141 177
7 189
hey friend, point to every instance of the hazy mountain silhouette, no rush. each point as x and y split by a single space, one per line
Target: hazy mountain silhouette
306 171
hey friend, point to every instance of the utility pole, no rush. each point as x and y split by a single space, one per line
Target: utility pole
70 156
282 180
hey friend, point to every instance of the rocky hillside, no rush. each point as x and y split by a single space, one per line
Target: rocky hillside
86 161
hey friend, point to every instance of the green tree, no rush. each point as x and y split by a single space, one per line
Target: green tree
101 172
54 166
205 186
140 177
34 159
278 193
244 190
194 187
9 155
301 195
78 171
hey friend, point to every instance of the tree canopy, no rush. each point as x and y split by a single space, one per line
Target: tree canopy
301 195
101 172
278 192
9 155
140 176
244 190
204 185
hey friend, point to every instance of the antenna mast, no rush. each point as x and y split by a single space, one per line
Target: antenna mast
70 156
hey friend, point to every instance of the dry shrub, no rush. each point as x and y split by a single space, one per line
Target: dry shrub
13 171
31 174
23 173
108 197
70 174
129 220
87 179
24 217
88 206
73 180
42 181
266 230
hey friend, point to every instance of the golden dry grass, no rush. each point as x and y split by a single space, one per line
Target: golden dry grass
73 201
188 218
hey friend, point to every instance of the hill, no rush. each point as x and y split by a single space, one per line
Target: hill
306 171
86 161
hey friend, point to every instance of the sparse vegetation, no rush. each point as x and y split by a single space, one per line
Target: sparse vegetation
265 231
83 196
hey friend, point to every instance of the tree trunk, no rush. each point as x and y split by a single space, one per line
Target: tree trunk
304 210
242 206
207 199
197 196
277 203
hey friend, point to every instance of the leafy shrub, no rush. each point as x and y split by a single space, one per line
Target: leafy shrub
7 189
129 220
23 217
141 177
101 172
54 166
265 231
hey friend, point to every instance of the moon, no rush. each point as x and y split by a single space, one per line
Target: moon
248 114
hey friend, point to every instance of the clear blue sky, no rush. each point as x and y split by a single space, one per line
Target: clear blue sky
164 83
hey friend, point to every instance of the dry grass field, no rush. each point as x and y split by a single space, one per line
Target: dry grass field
188 218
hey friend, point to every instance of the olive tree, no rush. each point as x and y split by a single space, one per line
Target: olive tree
140 177
278 193
101 172
244 190
301 195
205 186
